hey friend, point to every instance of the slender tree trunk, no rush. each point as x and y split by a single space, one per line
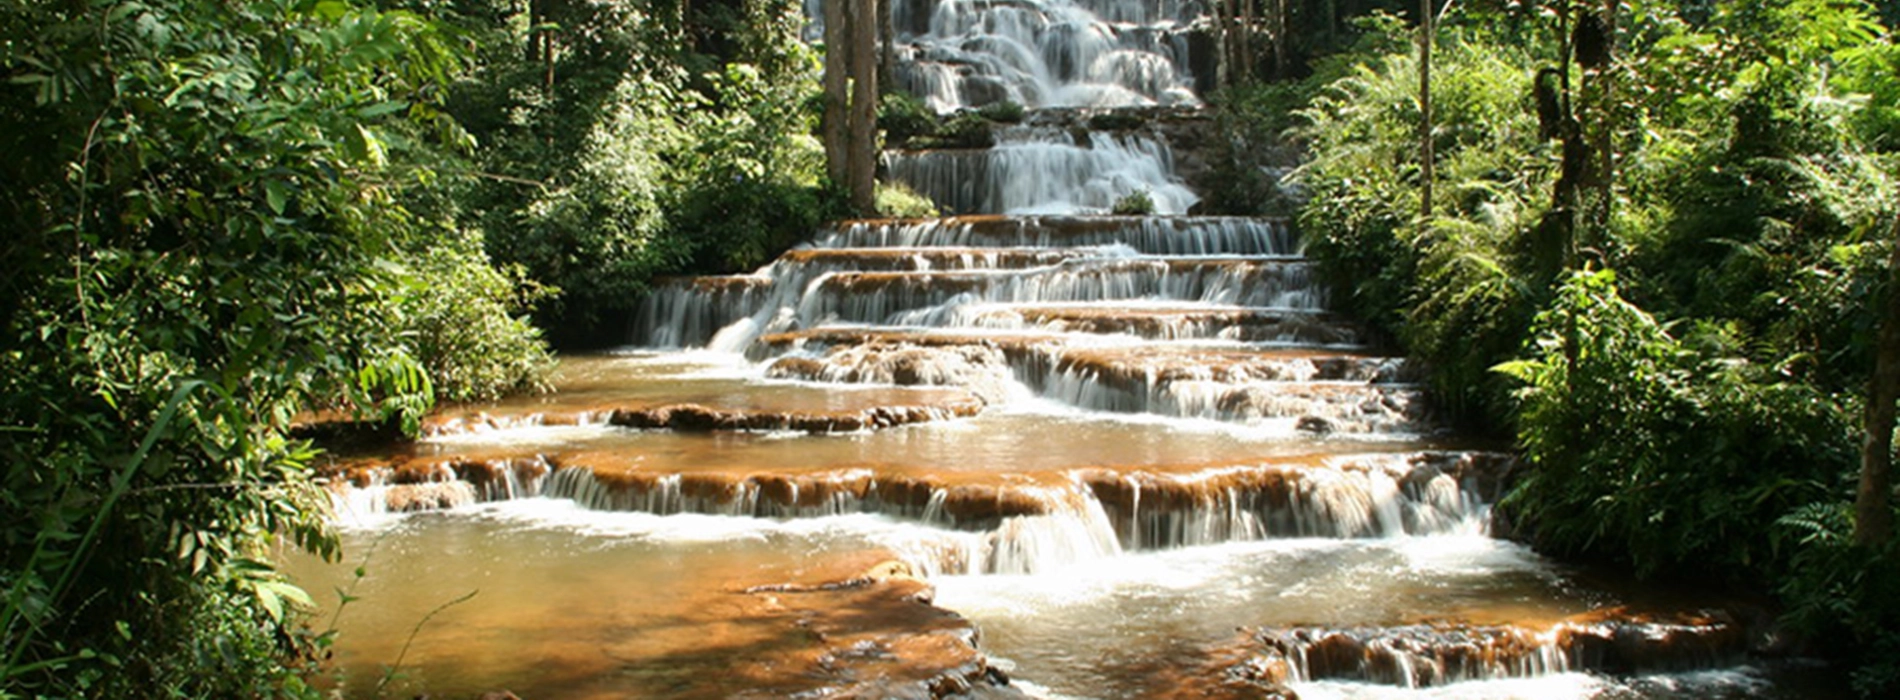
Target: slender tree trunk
1223 44
887 27
1246 41
1332 24
1279 27
1425 156
862 153
834 126
1604 126
1873 510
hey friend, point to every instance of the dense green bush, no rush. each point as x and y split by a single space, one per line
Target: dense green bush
1005 112
903 117
909 124
210 236
462 316
1136 203
632 154
898 201
1652 452
1454 288
1674 412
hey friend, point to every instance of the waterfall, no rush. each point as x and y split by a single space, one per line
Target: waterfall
999 529
1046 172
1046 53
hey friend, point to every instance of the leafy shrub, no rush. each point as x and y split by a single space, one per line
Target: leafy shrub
1643 450
898 201
1136 203
207 237
966 130
1454 289
1005 112
462 316
1116 121
903 118
620 165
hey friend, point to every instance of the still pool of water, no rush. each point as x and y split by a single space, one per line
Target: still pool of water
568 603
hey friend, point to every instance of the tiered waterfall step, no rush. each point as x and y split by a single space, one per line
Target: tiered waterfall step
922 297
1157 235
611 390
1311 389
1138 506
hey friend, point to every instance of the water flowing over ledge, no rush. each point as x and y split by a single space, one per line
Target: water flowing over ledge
992 524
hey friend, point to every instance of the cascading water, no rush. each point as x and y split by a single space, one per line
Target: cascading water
1106 440
1040 171
1047 53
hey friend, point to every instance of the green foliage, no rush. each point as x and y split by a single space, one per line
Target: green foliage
908 123
1454 290
904 117
1005 112
629 154
460 312
1645 449
210 212
1675 412
1846 596
1136 203
1116 121
1253 121
753 171
898 201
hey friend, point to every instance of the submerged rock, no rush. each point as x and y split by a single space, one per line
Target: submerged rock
872 633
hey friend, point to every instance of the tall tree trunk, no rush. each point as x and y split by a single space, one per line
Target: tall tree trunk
1246 63
862 149
1873 510
1332 25
1223 44
1278 25
834 126
887 28
1425 156
1604 126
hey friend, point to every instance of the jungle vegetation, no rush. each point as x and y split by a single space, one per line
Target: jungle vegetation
1652 242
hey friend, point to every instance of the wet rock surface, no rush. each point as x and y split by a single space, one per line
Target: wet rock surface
1611 640
874 634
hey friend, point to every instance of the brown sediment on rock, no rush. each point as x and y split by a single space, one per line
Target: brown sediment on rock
918 406
964 505
1146 366
923 258
717 284
441 424
416 498
700 418
1332 496
857 284
991 225
1158 235
482 471
1183 323
417 484
1139 498
982 370
1612 640
871 631
821 338
957 280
